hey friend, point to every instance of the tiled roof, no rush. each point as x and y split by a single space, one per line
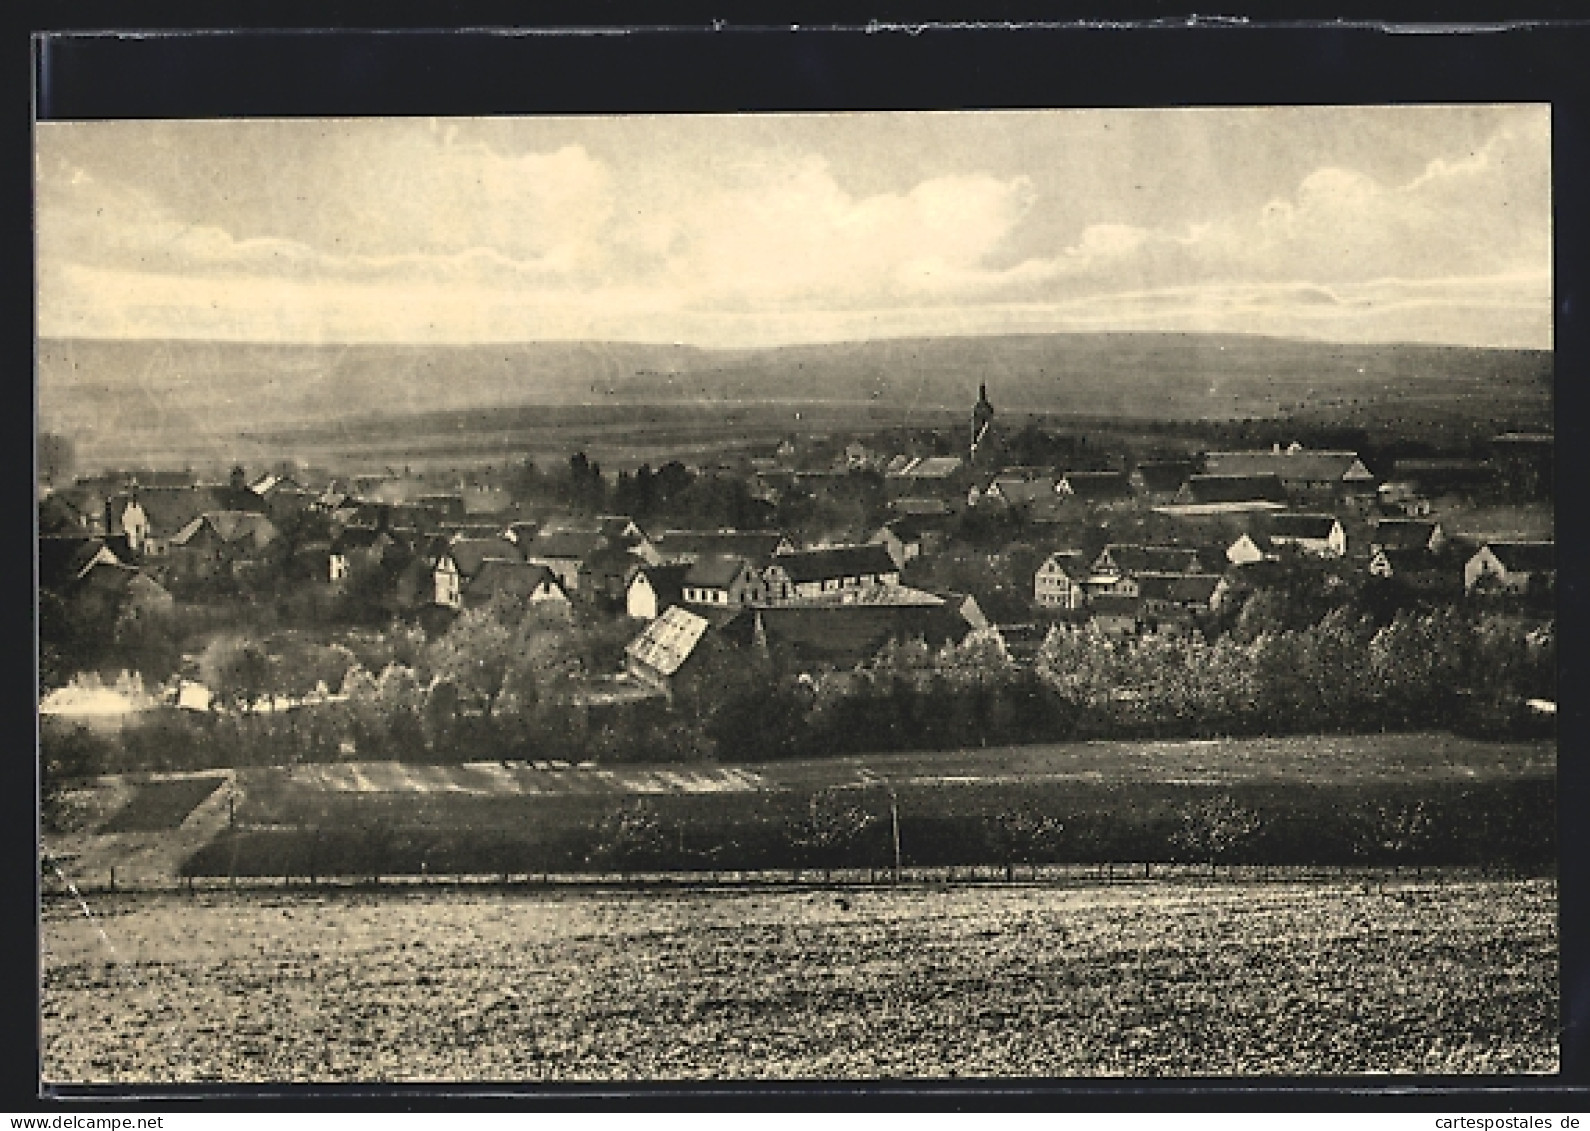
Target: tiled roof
754 545
668 641
1313 526
1232 489
1403 533
837 562
1098 484
715 571
471 553
1526 557
511 576
1304 465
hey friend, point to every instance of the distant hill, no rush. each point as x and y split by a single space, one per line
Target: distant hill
202 397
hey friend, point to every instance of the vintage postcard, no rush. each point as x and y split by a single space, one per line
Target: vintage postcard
857 596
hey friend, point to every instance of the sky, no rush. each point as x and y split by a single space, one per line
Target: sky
1421 224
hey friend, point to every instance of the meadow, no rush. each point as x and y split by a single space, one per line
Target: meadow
1145 979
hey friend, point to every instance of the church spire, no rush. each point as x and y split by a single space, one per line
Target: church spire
982 420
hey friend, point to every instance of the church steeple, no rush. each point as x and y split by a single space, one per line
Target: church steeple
982 421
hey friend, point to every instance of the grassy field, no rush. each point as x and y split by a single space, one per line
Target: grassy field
1146 979
1410 798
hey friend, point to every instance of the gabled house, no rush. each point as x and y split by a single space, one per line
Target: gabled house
1198 593
685 546
1018 490
842 629
1095 486
1060 580
666 647
1250 547
67 559
470 554
356 545
1510 565
515 580
1407 534
1321 535
1129 559
1306 474
151 517
1413 568
1228 494
652 589
564 552
722 579
1114 615
219 544
1159 480
810 573
1435 476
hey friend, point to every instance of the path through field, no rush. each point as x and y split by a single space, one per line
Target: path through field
1176 978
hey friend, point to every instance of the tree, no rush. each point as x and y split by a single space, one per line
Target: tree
1214 831
832 826
237 671
1021 836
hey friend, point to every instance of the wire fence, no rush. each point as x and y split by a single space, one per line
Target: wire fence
55 884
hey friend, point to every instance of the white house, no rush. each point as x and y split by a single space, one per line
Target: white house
1318 534
1058 584
1509 565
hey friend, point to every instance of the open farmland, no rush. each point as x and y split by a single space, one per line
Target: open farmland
1143 979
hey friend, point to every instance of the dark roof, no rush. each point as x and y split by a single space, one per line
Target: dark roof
63 558
512 577
916 506
1526 557
1131 558
565 544
232 527
1304 465
172 508
1098 484
1232 489
1406 560
753 545
1316 526
1113 604
353 537
715 570
471 553
837 562
1164 475
1180 589
667 581
1403 533
846 635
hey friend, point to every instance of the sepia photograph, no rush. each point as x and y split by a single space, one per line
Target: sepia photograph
858 596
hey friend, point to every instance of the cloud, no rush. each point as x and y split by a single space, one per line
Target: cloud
419 235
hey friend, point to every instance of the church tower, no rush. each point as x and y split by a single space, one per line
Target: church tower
982 423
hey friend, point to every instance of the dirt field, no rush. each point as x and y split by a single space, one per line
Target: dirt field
1144 979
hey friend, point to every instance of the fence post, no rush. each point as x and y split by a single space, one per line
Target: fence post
113 879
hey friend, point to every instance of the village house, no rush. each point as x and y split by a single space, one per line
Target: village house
666 648
219 544
722 579
1413 568
1114 614
1321 535
810 573
1095 487
932 476
1307 475
652 589
84 572
150 517
1198 594
517 581
841 629
1060 582
1121 559
564 552
1250 547
1402 497
356 546
1511 566
1227 494
909 537
1159 480
1407 534
685 546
